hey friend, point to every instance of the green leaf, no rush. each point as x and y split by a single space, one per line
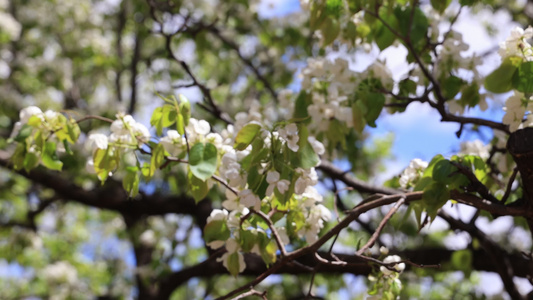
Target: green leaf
295 221
247 240
435 196
470 95
358 112
440 5
24 132
157 159
49 157
300 107
523 78
318 15
105 161
415 25
216 231
155 120
168 115
374 103
130 182
185 109
330 30
501 79
451 85
467 2
31 160
233 264
203 160
462 260
73 131
246 135
308 157
198 188
268 248
407 86
443 171
18 157
383 36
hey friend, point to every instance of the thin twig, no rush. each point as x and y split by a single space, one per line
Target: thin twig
275 233
509 185
376 234
95 118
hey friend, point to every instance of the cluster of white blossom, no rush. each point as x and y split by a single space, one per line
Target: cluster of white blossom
48 122
515 108
315 215
516 44
60 272
451 60
412 172
475 147
392 259
126 133
235 206
518 105
388 279
333 102
197 131
9 26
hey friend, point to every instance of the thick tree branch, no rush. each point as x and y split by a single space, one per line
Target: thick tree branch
112 196
359 185
496 255
354 265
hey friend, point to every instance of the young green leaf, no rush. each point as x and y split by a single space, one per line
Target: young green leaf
185 109
157 160
246 136
216 231
130 182
501 79
233 264
523 78
31 160
203 160
198 188
24 132
49 157
374 103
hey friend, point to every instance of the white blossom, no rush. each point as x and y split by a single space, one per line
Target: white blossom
99 140
173 143
391 259
516 44
380 71
311 196
412 172
147 238
273 179
61 272
290 134
249 199
26 113
9 25
217 215
475 148
225 257
317 146
307 178
514 111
